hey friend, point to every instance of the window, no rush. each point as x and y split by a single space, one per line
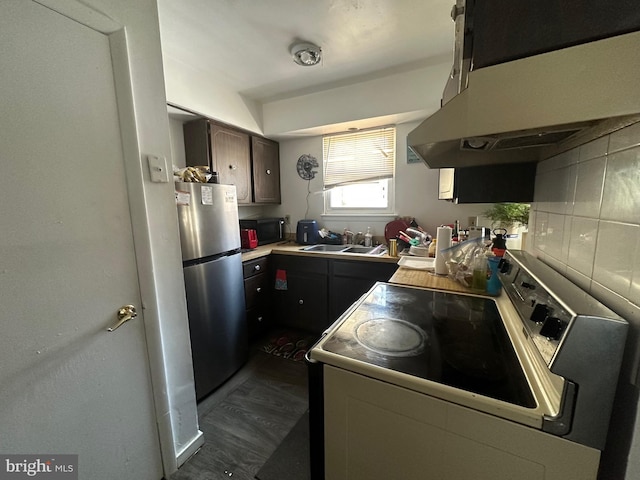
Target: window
358 171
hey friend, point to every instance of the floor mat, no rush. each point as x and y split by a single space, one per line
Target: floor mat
290 461
287 343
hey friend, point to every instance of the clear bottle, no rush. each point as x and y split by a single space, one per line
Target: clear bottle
479 279
456 231
368 238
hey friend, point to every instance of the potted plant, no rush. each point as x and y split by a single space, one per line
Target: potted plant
508 215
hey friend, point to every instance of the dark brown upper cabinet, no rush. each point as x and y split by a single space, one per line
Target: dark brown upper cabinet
249 162
265 155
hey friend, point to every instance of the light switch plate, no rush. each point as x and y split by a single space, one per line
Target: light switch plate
158 169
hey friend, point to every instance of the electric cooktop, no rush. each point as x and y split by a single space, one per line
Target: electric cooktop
453 339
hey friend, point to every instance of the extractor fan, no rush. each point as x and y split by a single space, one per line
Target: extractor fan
305 166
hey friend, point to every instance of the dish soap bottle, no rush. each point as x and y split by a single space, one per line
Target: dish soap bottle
493 284
368 238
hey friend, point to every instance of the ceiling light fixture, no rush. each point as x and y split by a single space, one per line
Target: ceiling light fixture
306 54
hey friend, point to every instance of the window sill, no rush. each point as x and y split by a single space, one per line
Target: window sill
377 216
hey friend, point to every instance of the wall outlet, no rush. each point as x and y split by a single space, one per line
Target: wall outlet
472 221
287 219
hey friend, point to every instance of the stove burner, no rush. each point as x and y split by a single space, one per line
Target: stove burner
391 336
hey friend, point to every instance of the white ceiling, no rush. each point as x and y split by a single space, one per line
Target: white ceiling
246 43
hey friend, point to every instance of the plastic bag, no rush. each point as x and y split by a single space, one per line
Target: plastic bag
193 174
467 263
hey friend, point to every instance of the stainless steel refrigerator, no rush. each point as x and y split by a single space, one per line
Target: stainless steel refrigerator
210 238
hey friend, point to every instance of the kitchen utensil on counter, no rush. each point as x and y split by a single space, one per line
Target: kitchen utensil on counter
420 234
403 236
392 229
307 232
499 243
249 238
393 247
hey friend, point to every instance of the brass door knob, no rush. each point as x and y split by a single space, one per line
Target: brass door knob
125 313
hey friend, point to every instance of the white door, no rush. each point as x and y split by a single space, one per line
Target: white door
67 263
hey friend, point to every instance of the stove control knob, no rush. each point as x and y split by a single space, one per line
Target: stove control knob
540 313
552 328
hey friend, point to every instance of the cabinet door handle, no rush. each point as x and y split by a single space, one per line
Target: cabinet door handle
256 268
232 167
259 319
268 172
259 289
301 301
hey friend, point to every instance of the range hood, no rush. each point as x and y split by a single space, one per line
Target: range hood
532 108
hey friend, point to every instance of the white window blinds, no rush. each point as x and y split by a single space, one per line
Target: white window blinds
359 156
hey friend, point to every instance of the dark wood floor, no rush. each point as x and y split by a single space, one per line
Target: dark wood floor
246 418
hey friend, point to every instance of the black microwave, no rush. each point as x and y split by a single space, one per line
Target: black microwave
268 230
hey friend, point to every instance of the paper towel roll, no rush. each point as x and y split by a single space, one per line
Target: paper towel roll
443 241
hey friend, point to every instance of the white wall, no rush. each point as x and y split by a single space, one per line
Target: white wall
197 92
585 224
401 93
416 191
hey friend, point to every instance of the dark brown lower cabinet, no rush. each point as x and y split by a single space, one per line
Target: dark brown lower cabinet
257 296
319 290
351 279
303 305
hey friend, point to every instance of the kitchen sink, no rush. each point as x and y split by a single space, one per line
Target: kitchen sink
358 249
324 248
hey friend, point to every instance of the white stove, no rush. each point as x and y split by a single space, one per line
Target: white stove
539 362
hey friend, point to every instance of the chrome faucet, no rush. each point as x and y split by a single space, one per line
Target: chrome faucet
347 237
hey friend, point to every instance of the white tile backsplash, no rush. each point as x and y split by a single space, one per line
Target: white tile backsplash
625 138
613 266
592 225
554 189
586 223
594 149
621 196
554 235
582 244
589 184
566 238
540 230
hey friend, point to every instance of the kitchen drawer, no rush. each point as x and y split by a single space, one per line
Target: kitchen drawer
256 290
374 270
258 320
254 267
301 264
